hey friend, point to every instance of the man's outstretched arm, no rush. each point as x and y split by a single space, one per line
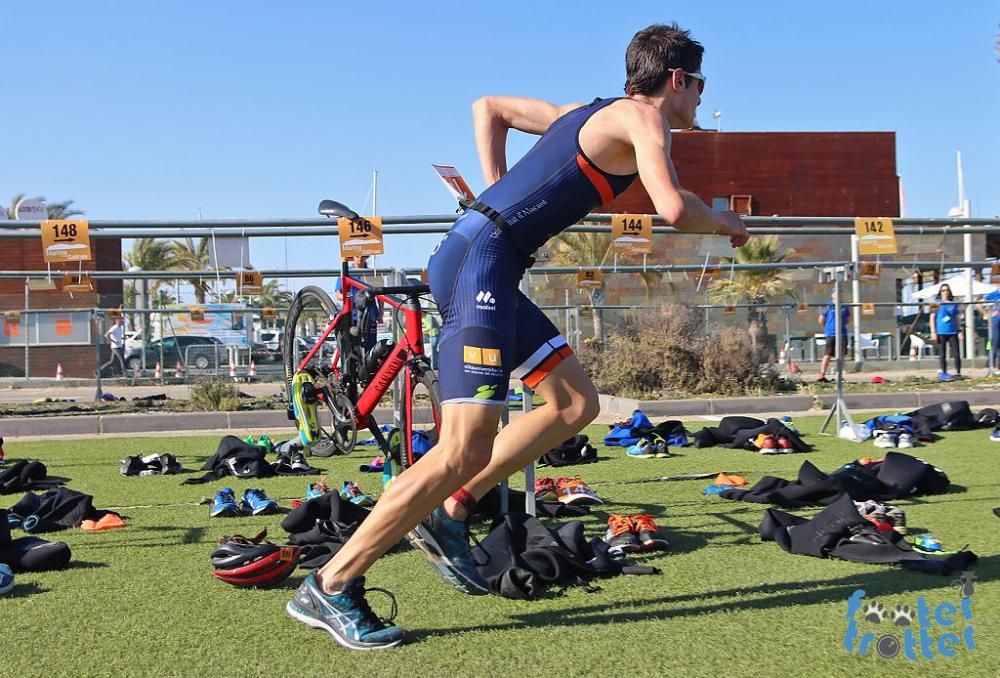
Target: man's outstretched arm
680 207
494 116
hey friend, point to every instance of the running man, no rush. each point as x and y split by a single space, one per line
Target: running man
587 155
116 337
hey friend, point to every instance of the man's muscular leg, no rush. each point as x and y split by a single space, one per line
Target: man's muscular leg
463 450
570 404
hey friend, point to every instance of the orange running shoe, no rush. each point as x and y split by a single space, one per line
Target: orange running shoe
546 489
649 534
620 536
575 491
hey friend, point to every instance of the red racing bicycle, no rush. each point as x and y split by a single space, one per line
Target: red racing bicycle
334 369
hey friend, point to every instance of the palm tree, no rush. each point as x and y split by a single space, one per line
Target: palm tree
588 250
62 210
585 250
274 296
147 254
194 257
756 286
163 299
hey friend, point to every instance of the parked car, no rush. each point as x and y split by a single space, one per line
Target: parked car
262 353
194 351
271 338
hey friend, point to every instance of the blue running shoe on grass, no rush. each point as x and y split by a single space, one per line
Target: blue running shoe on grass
641 450
224 504
445 543
256 503
6 579
995 435
346 615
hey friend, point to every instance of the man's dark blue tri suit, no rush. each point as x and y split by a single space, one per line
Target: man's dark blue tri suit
491 330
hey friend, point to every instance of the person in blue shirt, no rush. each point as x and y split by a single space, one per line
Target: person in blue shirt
828 320
992 311
944 330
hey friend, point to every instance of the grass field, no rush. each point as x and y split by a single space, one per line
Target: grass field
141 601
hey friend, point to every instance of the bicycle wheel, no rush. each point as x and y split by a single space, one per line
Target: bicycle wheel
421 414
309 314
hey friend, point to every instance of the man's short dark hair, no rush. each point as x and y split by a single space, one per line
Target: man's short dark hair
653 51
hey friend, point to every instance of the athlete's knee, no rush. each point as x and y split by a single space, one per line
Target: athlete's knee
468 459
584 407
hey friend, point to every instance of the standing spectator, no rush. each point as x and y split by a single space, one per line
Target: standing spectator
828 320
991 311
944 330
116 337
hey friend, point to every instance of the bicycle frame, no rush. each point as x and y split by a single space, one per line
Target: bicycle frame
409 347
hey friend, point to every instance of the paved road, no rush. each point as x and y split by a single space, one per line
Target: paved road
86 393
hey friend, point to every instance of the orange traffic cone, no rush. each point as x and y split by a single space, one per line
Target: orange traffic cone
59 372
253 369
913 351
232 366
783 354
158 371
179 369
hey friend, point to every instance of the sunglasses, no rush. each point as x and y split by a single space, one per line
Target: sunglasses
700 77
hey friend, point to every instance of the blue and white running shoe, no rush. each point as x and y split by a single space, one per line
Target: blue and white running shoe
224 504
641 450
445 543
995 435
256 503
346 615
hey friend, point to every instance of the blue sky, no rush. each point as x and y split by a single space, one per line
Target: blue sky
260 109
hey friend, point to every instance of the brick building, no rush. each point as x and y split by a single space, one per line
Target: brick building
774 174
66 337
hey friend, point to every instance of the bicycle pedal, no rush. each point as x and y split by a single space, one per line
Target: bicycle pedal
310 394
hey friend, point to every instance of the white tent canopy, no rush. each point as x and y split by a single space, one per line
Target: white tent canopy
959 285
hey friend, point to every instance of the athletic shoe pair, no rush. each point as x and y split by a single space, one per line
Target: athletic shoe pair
263 440
885 517
772 444
644 449
294 459
890 439
632 534
254 503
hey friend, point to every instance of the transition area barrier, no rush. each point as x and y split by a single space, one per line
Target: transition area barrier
32 339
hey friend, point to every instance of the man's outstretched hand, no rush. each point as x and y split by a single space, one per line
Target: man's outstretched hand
734 227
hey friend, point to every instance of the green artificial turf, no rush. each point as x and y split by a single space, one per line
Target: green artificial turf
141 601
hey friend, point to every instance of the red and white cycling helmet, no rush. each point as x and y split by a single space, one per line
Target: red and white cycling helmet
253 562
